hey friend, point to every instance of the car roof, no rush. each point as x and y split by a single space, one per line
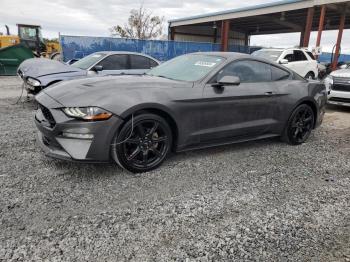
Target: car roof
123 53
282 49
233 55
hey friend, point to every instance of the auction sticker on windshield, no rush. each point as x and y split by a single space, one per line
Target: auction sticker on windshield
206 64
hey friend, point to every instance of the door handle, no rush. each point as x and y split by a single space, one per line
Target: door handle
270 93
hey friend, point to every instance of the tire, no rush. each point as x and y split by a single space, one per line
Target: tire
310 76
300 125
142 144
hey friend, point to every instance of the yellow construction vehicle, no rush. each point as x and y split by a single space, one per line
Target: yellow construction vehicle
30 37
14 49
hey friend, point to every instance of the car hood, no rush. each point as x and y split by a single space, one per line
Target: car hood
38 67
341 73
103 91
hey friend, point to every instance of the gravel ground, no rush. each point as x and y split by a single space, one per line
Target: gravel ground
257 201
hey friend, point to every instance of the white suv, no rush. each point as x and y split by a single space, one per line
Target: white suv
299 60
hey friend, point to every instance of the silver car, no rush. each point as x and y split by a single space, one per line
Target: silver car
39 73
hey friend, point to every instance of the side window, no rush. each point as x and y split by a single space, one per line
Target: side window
299 55
248 71
140 62
115 62
290 58
153 63
279 74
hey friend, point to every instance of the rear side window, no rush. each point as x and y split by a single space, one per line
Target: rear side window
248 71
141 62
311 55
115 62
299 55
296 56
278 74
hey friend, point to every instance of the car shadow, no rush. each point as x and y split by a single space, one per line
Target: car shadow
344 109
105 170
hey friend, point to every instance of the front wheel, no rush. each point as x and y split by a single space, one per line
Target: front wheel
300 125
142 144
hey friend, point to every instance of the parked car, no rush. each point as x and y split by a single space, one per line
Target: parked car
338 86
39 73
192 101
299 60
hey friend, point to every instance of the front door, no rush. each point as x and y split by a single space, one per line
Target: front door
249 109
114 65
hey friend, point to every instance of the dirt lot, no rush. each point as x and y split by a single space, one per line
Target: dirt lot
258 201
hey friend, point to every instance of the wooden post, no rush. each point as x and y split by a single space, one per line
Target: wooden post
225 30
340 36
308 26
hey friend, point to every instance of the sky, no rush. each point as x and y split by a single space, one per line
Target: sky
95 17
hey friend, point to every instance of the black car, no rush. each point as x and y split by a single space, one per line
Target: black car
192 101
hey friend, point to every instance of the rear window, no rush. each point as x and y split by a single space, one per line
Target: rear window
271 55
311 55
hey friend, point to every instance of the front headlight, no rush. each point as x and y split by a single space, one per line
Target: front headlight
33 82
328 82
87 113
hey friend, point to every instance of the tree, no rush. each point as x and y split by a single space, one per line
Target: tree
141 25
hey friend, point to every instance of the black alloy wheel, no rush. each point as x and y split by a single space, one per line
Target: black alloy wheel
300 125
143 143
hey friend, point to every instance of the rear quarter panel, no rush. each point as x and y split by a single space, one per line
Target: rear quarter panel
302 91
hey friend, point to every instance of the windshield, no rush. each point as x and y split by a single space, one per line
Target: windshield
88 61
187 67
271 55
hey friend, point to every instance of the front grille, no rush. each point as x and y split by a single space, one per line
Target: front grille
341 84
47 114
339 87
340 99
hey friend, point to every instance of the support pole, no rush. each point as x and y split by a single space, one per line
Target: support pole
225 30
308 26
301 42
340 36
321 25
172 33
246 39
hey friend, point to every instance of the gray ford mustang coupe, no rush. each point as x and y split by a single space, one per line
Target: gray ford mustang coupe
192 101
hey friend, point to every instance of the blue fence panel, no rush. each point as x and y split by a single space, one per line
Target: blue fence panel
80 46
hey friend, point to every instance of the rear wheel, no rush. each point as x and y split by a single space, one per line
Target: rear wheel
300 125
142 144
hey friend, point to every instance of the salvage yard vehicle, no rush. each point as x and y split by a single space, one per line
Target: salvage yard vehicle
38 74
299 60
338 87
192 101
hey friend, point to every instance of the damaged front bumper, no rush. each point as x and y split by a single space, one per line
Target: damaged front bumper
67 138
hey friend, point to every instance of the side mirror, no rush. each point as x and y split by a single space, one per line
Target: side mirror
97 68
284 61
228 81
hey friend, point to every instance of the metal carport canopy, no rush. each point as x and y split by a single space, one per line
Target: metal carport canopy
253 11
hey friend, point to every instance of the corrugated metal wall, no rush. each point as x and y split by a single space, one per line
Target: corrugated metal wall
80 46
